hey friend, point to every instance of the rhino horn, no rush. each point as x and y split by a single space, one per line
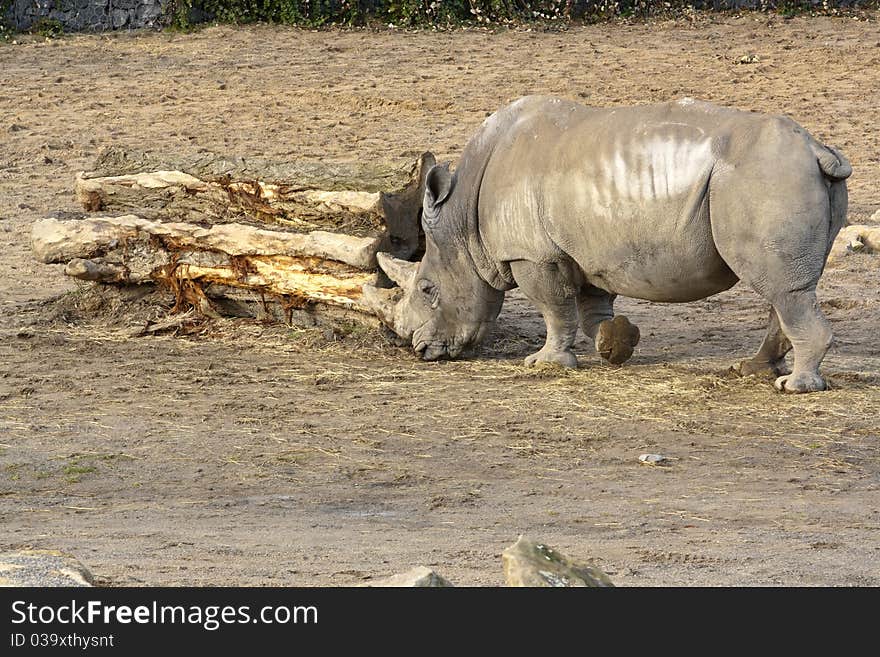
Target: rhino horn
400 271
382 302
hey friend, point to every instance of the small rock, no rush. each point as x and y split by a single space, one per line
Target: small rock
419 576
42 568
527 563
856 238
855 245
653 459
751 58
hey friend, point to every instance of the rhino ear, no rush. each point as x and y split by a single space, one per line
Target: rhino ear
438 185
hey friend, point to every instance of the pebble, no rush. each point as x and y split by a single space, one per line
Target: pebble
653 459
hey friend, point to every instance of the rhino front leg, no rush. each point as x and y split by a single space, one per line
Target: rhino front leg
769 362
594 307
615 337
551 291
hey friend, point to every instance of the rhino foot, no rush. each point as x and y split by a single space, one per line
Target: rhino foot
565 358
616 339
762 369
803 382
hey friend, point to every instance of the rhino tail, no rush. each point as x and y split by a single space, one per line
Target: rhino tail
836 168
832 162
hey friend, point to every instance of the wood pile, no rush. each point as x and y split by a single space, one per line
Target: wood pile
303 234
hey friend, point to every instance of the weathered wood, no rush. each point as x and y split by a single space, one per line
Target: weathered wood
365 176
56 240
304 233
165 324
134 250
369 200
97 270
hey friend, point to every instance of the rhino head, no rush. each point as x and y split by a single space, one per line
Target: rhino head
442 305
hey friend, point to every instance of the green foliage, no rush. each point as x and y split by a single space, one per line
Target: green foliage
312 13
48 28
396 12
444 13
5 27
789 8
73 473
177 15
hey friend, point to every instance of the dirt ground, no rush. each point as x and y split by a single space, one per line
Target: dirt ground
255 454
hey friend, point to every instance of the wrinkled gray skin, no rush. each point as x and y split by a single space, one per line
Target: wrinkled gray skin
575 205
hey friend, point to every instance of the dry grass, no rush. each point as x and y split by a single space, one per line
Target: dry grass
698 395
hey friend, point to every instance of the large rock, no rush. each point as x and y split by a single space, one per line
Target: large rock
42 568
527 563
419 576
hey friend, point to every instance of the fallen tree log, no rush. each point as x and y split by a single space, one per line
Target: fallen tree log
133 250
305 234
368 200
58 240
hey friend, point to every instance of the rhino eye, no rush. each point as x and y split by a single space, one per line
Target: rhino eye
429 291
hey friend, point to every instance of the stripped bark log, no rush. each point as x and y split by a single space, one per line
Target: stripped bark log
134 250
57 240
366 200
303 233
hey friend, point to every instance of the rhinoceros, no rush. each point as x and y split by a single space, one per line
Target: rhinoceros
669 202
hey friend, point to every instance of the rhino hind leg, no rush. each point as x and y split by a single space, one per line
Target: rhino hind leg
550 290
810 335
772 224
806 330
615 337
769 362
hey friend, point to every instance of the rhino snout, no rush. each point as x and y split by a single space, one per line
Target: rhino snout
431 350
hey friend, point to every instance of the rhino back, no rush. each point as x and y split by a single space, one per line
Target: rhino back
622 192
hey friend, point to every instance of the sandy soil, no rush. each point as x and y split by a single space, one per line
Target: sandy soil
253 454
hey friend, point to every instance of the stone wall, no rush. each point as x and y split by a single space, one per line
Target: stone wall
87 15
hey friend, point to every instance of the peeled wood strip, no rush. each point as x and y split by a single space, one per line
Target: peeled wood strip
299 278
284 276
366 175
60 241
156 188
